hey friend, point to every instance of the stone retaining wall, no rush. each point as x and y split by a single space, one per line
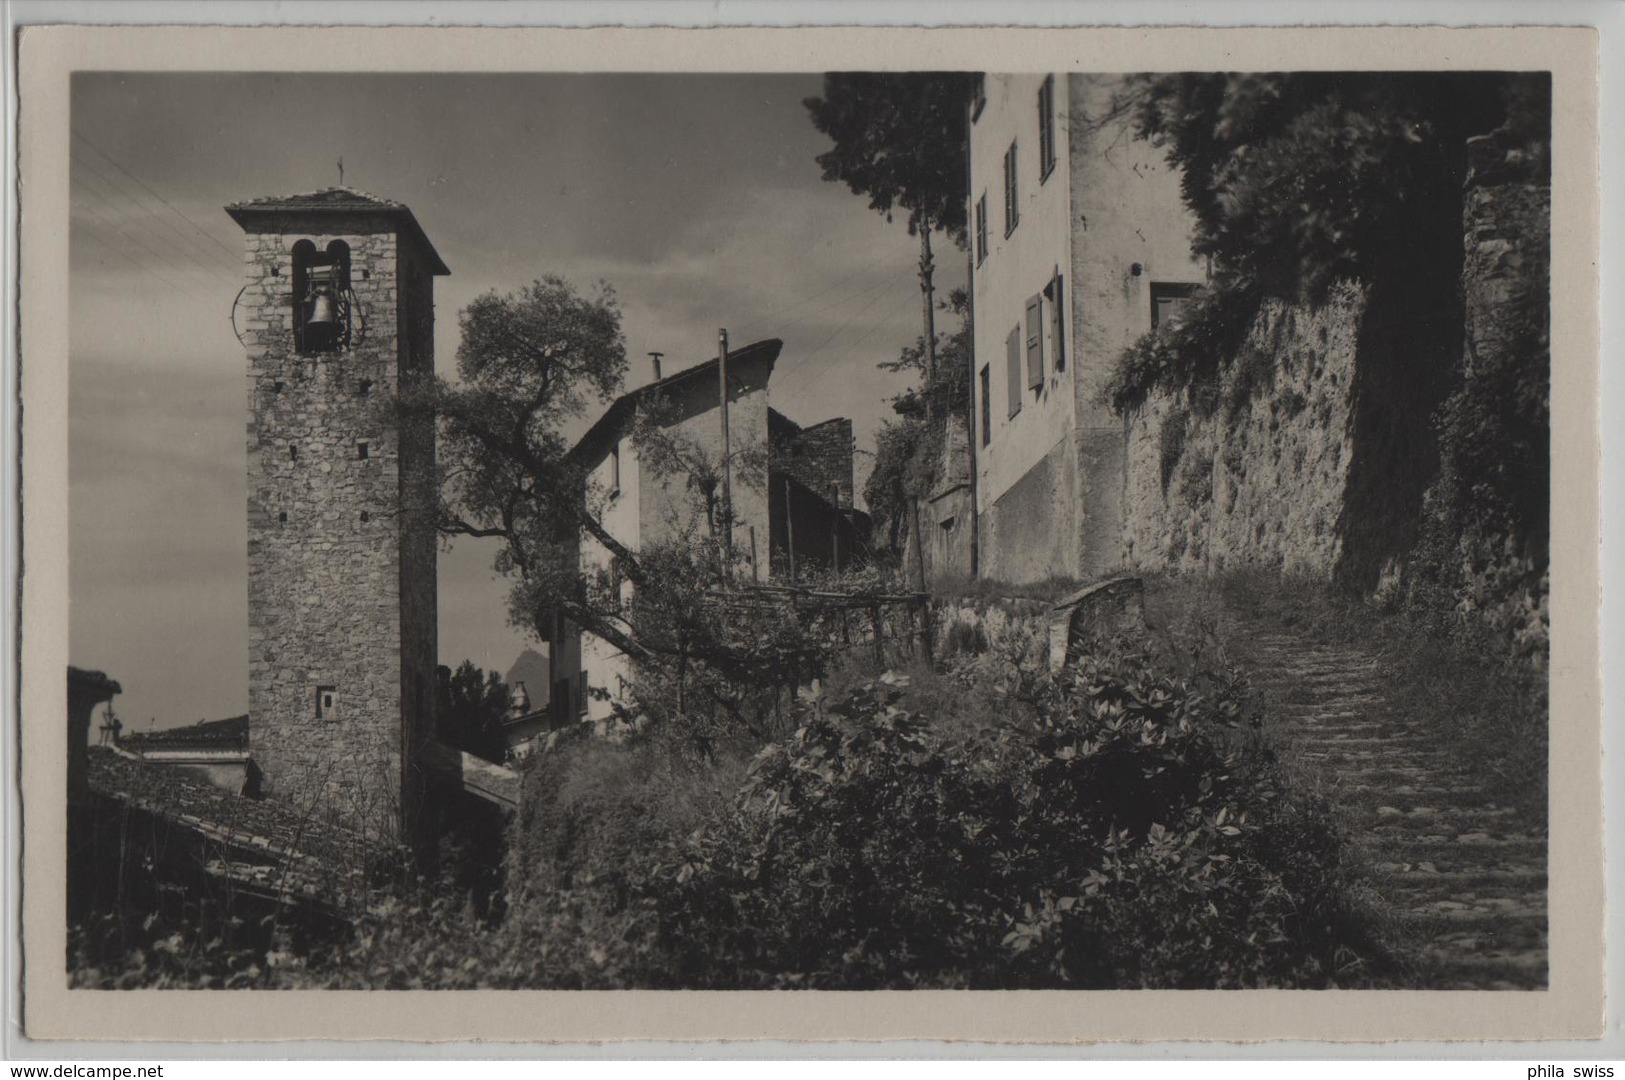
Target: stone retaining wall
1259 476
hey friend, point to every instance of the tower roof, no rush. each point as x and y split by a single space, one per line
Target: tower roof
336 200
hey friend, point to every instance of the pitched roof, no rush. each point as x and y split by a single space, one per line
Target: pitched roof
230 733
618 417
301 855
337 200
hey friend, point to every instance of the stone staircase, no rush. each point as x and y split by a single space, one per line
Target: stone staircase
1463 871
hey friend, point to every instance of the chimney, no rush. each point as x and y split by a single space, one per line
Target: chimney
655 356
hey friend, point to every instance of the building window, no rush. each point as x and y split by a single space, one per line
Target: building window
1046 128
1035 343
987 405
1012 362
1057 322
1169 299
1011 215
362 450
615 469
981 229
327 700
581 693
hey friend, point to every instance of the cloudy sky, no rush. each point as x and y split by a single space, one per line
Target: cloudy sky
697 197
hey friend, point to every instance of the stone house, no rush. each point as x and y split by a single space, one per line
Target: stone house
1079 245
791 493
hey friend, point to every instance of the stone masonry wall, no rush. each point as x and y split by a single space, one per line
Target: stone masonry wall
419 499
327 566
1259 477
1502 581
819 457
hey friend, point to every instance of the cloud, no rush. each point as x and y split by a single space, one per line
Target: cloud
697 197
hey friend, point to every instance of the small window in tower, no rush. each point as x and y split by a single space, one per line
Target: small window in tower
283 517
293 453
327 701
615 469
365 516
361 450
363 388
278 386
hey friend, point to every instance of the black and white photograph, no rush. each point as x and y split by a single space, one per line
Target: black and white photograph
836 530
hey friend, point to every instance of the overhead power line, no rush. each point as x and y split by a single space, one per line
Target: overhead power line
808 373
185 245
114 162
850 286
206 281
190 283
131 259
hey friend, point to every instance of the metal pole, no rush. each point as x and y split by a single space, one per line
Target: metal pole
919 540
789 533
835 527
727 464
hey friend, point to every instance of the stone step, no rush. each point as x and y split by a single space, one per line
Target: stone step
1523 970
1372 755
1432 876
1421 831
1405 811
1329 682
1468 933
1463 873
1466 872
1413 891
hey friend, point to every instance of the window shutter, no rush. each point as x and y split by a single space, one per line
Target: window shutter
1035 343
1012 351
1057 323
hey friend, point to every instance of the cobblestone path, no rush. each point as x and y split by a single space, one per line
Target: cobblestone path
1464 871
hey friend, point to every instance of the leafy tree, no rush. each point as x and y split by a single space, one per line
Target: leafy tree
530 362
901 139
1298 180
473 704
908 450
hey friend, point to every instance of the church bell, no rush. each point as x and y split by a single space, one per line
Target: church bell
324 314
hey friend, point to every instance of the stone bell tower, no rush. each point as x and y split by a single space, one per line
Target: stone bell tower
336 317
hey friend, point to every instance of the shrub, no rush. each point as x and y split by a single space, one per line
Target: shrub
1127 833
